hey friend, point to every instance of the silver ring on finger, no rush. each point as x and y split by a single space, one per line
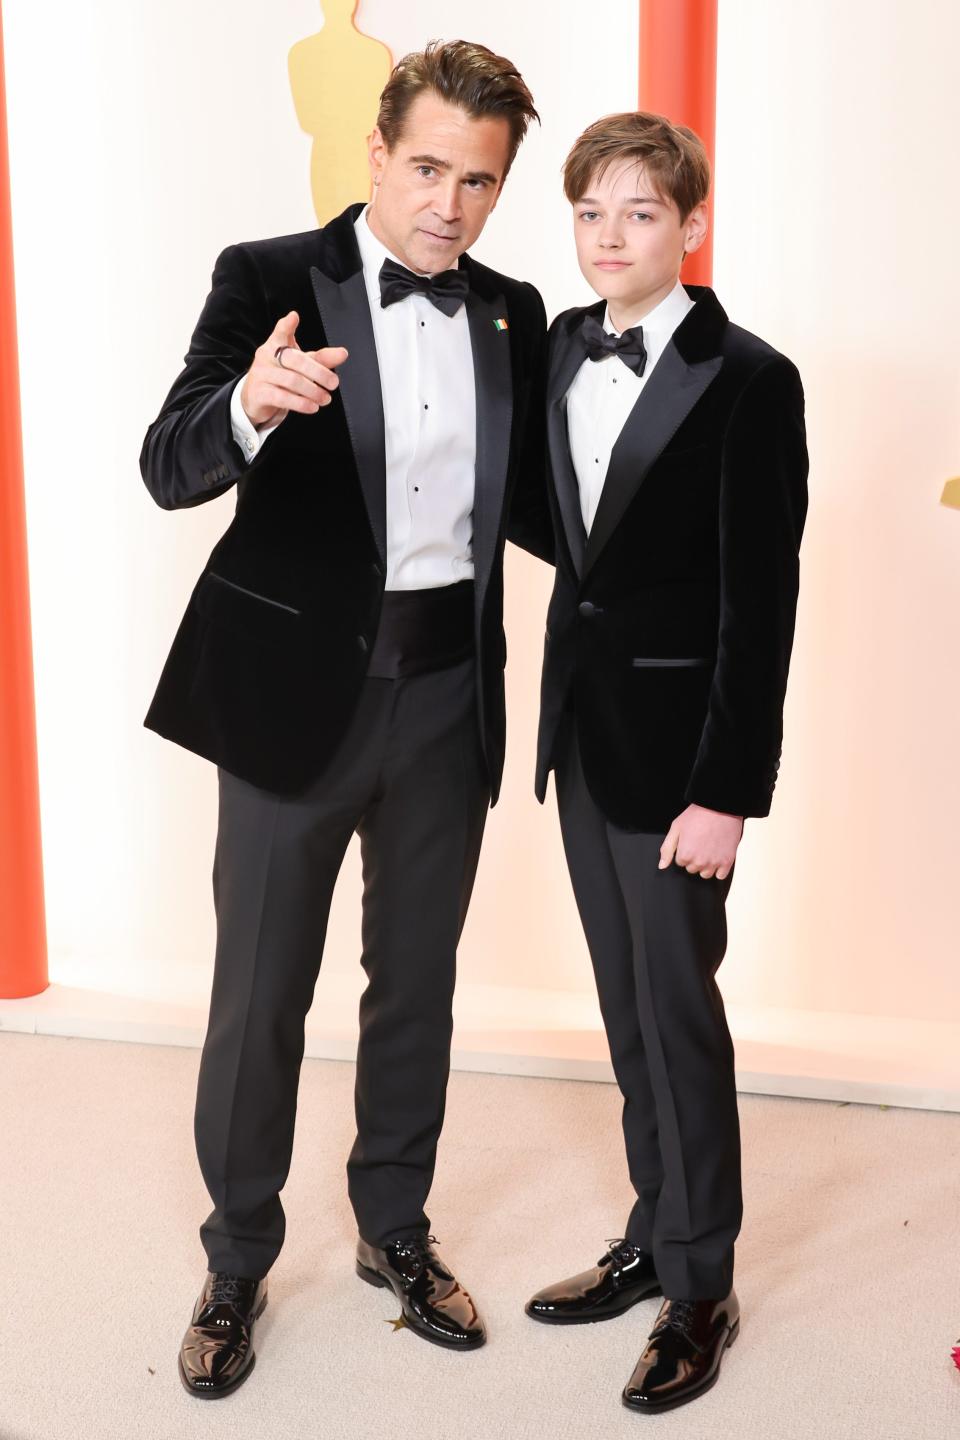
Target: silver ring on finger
278 355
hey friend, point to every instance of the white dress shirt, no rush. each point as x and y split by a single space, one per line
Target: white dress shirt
604 392
430 419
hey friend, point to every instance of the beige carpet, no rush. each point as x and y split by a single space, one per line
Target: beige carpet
848 1267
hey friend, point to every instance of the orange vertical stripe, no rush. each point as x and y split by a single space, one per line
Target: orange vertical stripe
678 78
23 941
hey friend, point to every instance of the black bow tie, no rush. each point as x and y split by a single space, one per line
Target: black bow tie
629 346
447 291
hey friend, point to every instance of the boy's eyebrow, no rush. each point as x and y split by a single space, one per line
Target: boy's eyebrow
634 200
445 165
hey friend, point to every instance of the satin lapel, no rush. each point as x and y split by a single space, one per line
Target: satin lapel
566 360
493 382
664 403
345 312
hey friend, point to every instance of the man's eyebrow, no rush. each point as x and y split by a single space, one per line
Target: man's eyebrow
445 165
634 200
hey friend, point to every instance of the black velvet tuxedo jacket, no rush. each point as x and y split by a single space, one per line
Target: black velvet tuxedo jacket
670 629
267 665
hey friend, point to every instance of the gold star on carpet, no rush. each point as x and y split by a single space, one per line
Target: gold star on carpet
398 1324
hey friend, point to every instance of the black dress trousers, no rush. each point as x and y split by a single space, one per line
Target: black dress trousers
656 938
409 778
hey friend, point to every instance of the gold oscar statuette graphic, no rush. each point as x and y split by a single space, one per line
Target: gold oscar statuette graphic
951 493
336 77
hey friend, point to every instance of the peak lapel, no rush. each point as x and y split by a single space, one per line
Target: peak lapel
566 358
662 406
493 381
341 298
686 368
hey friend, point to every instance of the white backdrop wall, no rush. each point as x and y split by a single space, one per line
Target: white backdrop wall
145 138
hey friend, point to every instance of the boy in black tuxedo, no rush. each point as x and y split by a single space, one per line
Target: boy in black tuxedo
679 465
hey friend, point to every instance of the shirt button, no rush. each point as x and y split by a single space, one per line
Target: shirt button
249 444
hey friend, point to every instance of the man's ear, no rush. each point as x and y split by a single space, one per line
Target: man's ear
376 154
695 228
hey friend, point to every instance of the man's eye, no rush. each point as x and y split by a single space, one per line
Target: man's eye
424 170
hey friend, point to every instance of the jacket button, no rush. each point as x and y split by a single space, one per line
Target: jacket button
587 609
362 644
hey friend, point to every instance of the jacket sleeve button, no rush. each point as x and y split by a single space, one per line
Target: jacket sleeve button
362 645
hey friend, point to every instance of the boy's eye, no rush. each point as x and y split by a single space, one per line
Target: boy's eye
588 214
641 215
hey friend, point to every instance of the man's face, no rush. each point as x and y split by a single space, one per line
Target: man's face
629 237
434 190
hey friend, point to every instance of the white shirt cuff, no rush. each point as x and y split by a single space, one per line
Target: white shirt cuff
247 436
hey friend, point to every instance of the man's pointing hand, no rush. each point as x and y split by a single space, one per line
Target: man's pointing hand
292 379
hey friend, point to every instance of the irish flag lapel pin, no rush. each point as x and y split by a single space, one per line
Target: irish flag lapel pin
500 324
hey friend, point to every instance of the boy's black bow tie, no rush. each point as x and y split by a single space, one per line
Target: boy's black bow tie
629 346
447 290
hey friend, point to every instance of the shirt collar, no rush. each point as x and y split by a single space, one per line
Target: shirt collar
664 318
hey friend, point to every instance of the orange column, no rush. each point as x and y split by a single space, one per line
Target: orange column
678 78
23 941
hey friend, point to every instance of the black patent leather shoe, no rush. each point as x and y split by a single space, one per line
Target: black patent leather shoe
682 1357
217 1351
620 1278
433 1302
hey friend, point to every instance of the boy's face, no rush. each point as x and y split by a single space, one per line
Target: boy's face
435 189
630 239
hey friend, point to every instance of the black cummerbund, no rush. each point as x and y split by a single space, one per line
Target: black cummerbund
423 630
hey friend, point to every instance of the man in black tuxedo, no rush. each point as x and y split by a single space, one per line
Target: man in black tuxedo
341 662
678 458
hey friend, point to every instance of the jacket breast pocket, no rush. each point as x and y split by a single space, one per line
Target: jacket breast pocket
689 454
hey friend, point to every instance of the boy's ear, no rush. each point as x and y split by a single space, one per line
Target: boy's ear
695 228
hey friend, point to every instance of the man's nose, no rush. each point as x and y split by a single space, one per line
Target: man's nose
448 202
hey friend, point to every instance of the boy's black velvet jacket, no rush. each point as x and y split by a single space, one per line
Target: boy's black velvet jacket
669 631
267 664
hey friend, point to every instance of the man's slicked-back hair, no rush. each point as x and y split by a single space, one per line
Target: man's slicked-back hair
671 155
464 74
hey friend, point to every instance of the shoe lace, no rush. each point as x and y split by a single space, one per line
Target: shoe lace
619 1252
226 1289
679 1317
418 1246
